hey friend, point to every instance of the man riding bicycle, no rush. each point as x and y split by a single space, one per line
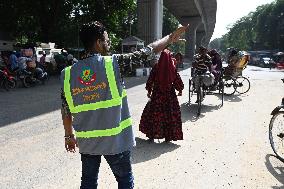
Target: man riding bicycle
202 68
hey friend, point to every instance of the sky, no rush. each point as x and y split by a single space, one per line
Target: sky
229 11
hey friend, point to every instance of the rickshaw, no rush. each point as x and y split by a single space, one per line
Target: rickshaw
201 87
234 81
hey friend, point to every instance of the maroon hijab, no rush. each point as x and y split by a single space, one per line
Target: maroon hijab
166 70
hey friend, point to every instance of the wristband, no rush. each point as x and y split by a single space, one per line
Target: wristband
68 137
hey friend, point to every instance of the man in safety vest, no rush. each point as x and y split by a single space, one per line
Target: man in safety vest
94 104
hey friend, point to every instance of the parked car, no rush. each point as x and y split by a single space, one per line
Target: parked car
50 53
266 62
279 60
280 64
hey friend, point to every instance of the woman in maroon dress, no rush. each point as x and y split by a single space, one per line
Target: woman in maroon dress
161 117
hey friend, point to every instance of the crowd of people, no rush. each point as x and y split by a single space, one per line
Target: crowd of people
18 64
22 62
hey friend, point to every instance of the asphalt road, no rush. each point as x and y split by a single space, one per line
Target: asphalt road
226 147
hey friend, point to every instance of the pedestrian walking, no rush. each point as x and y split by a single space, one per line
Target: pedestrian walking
161 117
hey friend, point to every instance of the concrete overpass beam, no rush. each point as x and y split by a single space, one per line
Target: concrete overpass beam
150 19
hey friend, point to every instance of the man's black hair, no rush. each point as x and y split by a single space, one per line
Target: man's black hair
90 33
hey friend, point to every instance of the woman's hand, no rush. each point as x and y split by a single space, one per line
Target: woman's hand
174 37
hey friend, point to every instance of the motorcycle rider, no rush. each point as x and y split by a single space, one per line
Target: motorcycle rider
38 72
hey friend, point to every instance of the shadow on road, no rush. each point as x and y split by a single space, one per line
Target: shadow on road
189 112
145 151
276 171
24 103
231 98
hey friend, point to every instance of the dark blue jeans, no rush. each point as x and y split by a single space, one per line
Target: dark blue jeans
120 165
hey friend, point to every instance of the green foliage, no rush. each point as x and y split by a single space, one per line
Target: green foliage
59 20
262 29
170 24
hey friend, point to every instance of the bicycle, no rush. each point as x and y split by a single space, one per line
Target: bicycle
276 130
201 90
234 81
239 84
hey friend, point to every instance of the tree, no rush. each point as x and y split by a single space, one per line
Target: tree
170 23
58 20
262 29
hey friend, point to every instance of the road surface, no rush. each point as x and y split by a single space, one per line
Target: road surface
226 147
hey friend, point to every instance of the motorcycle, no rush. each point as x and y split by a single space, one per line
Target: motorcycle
30 79
7 81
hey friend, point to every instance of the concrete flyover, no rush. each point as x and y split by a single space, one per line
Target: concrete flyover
200 14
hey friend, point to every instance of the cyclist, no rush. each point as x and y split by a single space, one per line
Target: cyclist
202 68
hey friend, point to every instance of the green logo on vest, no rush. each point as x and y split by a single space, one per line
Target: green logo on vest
87 76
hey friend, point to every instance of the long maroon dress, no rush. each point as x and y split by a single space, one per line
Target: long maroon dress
161 117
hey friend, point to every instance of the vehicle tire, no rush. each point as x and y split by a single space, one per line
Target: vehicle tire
229 85
27 81
276 134
190 91
10 84
199 99
2 83
221 91
242 85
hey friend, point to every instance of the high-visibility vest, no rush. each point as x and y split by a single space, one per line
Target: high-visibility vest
116 100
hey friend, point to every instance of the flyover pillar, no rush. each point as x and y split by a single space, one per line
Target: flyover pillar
150 20
190 35
206 40
200 36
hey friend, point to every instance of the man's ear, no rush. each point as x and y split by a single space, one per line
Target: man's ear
98 43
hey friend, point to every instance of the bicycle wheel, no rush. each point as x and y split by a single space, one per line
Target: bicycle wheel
276 134
229 85
10 84
28 81
1 82
221 91
199 99
243 85
190 90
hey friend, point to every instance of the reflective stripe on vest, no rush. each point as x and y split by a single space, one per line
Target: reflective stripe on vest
116 98
104 133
